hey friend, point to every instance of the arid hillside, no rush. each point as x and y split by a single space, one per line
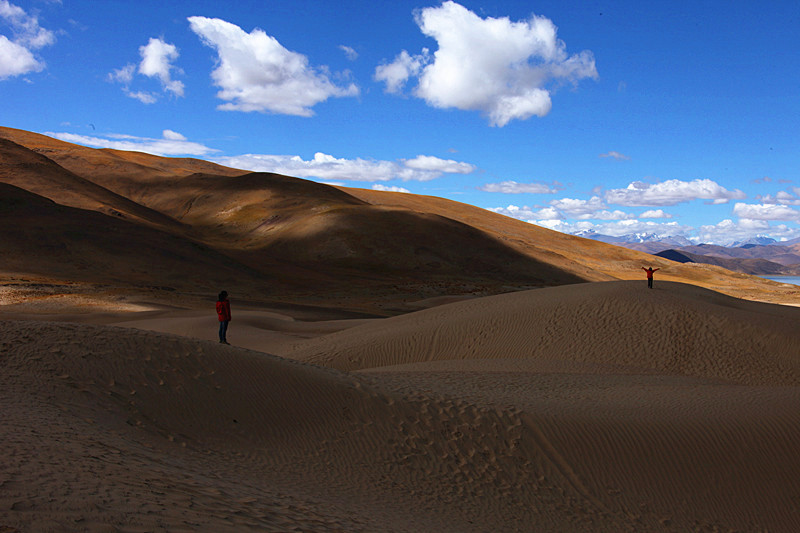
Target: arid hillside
133 219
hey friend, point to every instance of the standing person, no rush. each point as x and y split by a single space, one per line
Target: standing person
224 315
649 271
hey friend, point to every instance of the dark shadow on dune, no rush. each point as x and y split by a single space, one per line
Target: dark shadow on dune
405 244
45 238
136 219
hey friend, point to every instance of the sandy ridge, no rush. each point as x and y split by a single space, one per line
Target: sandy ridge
675 328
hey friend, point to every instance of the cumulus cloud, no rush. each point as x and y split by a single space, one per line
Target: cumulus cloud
765 212
392 188
616 155
512 187
17 53
494 65
171 144
671 192
574 207
781 197
566 208
435 164
553 218
528 214
157 58
256 73
728 232
15 59
655 213
123 75
328 167
396 74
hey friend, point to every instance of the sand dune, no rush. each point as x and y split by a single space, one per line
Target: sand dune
674 328
461 419
152 431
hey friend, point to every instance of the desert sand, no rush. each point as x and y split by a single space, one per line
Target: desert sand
594 407
497 377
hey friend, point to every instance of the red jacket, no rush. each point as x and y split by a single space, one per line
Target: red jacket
648 271
224 310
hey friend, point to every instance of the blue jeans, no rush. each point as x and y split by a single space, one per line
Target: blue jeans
223 330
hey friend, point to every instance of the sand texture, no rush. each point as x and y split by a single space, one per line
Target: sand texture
601 407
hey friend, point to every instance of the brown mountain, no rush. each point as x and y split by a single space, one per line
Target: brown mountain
756 266
786 255
131 218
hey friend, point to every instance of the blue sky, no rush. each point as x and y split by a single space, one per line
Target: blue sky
676 118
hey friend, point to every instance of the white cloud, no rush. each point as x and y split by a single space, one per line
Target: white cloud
569 215
525 213
655 213
428 162
493 65
396 73
671 192
328 167
171 144
574 207
553 218
616 155
123 75
549 213
351 54
17 53
157 58
142 96
782 197
605 214
27 31
512 187
786 198
256 73
765 212
728 232
15 59
567 208
629 226
173 135
379 187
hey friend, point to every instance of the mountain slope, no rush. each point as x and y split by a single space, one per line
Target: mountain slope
755 266
44 238
38 174
313 242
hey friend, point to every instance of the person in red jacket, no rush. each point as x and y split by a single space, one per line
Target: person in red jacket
224 315
649 271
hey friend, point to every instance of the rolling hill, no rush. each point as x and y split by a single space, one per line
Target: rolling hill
193 225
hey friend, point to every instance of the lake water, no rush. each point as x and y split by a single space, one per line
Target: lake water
794 280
